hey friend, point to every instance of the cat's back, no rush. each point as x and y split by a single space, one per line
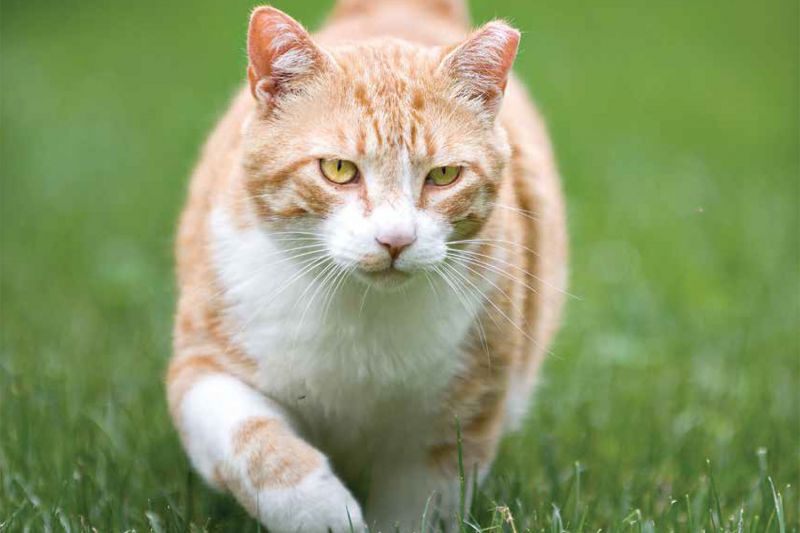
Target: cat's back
426 22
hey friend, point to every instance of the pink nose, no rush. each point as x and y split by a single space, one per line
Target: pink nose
396 242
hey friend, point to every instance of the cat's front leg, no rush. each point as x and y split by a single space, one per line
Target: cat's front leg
241 441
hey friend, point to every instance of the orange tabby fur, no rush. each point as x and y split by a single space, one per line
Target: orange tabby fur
513 212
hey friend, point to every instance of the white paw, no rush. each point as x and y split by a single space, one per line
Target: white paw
318 504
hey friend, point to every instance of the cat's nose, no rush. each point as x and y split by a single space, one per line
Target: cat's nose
396 241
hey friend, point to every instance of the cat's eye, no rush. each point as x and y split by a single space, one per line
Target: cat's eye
339 171
443 175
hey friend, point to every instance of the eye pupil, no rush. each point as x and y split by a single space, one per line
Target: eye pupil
443 175
339 171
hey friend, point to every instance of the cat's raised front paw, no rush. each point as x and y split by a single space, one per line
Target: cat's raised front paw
319 503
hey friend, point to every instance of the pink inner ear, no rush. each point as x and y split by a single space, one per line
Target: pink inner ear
507 55
484 61
279 49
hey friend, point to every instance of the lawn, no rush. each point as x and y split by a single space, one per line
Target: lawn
671 400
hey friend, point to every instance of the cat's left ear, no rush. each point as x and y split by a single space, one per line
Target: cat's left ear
281 54
480 65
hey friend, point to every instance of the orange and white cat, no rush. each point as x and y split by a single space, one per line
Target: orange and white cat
373 248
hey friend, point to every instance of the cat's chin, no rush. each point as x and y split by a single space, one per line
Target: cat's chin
387 280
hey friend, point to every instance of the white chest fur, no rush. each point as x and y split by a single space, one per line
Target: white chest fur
360 359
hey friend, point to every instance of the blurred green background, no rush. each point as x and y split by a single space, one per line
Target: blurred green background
671 400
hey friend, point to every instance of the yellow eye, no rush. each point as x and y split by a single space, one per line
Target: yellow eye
338 170
443 175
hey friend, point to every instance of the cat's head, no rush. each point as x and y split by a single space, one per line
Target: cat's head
385 151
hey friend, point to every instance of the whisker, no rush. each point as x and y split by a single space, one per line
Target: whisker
285 251
254 274
455 290
499 271
286 238
519 210
314 262
329 286
522 270
465 263
329 271
314 234
337 283
430 282
363 300
297 258
491 257
496 308
474 290
481 330
496 243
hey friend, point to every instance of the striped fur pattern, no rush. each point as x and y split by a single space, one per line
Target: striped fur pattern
318 374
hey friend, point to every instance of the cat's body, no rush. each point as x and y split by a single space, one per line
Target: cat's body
302 347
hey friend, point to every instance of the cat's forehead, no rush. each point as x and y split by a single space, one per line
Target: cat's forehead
388 68
385 98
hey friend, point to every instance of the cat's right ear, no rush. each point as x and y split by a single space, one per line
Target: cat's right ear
481 64
281 54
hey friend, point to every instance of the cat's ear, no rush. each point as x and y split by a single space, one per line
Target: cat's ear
281 54
480 65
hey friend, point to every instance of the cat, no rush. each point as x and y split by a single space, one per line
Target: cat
371 265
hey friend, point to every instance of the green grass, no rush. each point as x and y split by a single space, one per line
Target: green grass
671 401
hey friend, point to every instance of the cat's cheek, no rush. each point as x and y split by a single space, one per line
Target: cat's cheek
348 235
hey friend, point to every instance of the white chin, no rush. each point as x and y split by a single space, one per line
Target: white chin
385 280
